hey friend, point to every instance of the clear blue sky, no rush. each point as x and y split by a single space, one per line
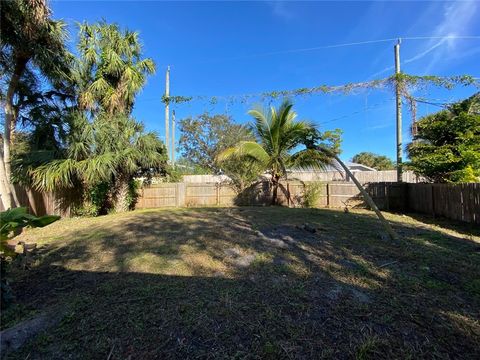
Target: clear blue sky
219 48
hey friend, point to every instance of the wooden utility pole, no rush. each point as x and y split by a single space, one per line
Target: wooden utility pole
399 111
173 137
167 108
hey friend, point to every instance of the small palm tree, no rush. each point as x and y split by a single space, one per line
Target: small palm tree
278 135
109 149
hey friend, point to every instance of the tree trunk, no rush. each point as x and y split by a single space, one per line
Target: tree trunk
9 128
121 198
5 192
275 180
367 198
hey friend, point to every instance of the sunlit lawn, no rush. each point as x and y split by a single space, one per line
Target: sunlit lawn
250 283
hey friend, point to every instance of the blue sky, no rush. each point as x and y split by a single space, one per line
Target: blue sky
225 48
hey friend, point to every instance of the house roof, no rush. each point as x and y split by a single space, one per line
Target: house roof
335 166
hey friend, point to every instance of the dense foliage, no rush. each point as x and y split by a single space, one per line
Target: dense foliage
205 136
75 111
375 161
446 147
109 150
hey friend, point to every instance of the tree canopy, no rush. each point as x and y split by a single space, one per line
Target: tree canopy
446 147
110 70
375 161
204 137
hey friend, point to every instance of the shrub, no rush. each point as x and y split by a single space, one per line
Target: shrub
312 194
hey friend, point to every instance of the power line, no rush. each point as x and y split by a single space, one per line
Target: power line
365 109
340 45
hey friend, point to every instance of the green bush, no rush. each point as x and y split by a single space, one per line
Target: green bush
96 201
312 194
132 197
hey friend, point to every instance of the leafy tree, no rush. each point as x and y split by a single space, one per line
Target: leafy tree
242 171
108 150
277 134
203 138
31 43
446 147
378 162
186 167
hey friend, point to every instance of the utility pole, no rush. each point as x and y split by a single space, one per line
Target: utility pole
173 137
399 111
167 108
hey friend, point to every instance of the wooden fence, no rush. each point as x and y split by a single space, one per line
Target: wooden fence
453 201
40 203
458 202
289 194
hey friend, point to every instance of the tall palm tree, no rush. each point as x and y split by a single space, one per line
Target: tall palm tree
110 70
29 38
109 149
278 134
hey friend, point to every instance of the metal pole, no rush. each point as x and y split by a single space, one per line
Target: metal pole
167 109
398 112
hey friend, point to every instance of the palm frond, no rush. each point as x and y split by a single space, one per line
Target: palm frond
249 149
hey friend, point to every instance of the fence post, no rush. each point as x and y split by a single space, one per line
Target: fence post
387 197
218 193
433 200
328 195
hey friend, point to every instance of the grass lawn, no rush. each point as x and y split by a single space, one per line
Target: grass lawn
250 283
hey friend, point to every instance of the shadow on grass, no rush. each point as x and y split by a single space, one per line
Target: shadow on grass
251 283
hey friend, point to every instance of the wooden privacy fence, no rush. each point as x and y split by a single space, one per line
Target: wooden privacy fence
290 194
457 202
39 203
454 201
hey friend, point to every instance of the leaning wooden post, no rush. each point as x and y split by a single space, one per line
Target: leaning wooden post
365 195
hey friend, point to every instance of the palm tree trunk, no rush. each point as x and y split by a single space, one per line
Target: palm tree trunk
9 128
275 180
121 198
367 198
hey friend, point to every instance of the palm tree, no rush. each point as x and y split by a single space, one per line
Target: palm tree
110 70
105 145
278 134
29 38
109 149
